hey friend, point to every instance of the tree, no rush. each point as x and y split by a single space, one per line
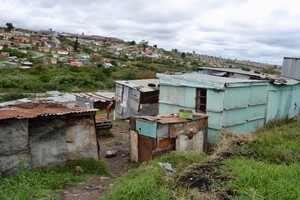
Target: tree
144 44
182 55
76 44
9 27
132 43
155 46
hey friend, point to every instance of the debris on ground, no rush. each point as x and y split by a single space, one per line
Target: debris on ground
167 167
111 154
79 169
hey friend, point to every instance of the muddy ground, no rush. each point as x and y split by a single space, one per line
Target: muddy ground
94 188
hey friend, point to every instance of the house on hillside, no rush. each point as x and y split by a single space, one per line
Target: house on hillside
235 100
45 135
136 98
76 64
62 52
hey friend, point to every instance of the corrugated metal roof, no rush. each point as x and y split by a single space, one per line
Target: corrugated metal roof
141 84
276 79
97 96
31 110
196 77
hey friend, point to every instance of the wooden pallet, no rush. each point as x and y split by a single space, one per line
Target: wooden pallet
103 124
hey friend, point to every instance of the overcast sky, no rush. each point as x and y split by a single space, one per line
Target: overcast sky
256 30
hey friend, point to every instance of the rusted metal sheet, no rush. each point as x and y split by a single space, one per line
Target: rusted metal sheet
145 145
32 110
166 143
188 143
81 139
134 156
184 128
47 141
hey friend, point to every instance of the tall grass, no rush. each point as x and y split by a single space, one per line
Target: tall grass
278 144
258 180
273 171
149 182
45 183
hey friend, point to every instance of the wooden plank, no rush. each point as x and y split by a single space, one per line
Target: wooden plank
166 142
186 128
145 145
134 146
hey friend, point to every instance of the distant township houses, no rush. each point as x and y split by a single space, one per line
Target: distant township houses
48 42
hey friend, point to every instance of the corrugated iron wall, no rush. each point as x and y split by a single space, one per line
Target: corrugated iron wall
291 68
131 102
13 146
46 141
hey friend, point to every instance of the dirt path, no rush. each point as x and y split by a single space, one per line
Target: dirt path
94 188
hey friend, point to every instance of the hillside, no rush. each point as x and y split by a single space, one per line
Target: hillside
39 61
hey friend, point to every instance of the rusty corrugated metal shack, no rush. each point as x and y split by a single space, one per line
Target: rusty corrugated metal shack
45 135
152 135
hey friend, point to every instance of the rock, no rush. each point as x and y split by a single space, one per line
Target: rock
79 169
111 154
167 167
104 178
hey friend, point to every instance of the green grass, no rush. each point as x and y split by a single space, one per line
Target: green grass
273 170
148 182
46 183
278 144
259 180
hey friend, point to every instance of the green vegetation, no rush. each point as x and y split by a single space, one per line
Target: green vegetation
264 165
273 170
260 180
150 182
46 183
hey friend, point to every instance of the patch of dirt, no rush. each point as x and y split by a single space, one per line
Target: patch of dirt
118 166
203 176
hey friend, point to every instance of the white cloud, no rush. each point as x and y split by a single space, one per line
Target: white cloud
243 29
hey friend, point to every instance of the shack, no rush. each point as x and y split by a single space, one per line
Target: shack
151 136
45 135
136 98
99 100
234 99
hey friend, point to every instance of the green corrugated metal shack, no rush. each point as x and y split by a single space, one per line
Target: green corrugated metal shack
234 99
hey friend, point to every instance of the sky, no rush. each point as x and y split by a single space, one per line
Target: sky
256 30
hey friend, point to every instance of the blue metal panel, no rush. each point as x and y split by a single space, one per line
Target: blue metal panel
279 103
253 125
295 102
234 117
258 94
181 96
215 120
256 112
236 97
146 128
215 100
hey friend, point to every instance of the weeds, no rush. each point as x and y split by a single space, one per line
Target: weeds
149 181
45 183
258 180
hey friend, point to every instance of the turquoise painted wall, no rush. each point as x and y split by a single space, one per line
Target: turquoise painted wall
241 107
146 128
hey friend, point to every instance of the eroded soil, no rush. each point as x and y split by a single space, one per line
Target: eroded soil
94 188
